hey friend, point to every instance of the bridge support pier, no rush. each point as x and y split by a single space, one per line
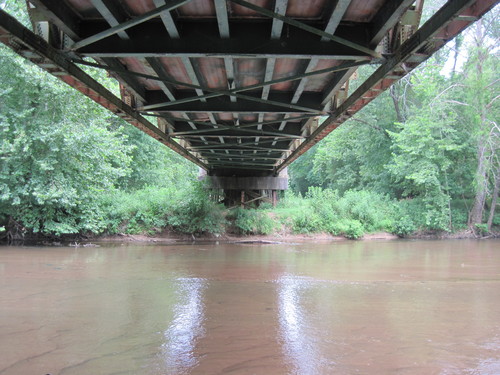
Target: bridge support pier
247 191
249 198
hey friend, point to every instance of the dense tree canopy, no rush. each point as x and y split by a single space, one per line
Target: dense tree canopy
61 154
433 139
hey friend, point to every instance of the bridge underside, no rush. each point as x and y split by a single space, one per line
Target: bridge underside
240 88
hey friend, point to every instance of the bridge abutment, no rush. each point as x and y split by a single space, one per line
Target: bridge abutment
246 191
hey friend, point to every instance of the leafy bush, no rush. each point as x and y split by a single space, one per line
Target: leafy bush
198 214
350 228
187 211
249 221
324 203
496 219
352 214
459 218
371 209
403 226
354 229
481 229
306 221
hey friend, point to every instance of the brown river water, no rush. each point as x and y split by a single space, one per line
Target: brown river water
353 307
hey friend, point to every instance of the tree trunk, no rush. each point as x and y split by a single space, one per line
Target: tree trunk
494 200
397 107
458 43
476 213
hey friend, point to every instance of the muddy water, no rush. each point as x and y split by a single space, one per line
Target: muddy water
340 308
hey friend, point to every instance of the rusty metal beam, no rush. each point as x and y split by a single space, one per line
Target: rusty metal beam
307 28
259 125
61 15
200 39
169 5
58 13
233 131
440 28
241 167
241 125
336 16
309 102
242 157
243 145
111 13
27 44
386 18
340 67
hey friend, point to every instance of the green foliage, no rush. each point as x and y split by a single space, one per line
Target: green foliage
62 158
152 208
196 213
374 210
425 148
250 221
354 155
324 203
496 219
307 221
352 215
302 175
54 161
481 229
138 211
154 164
459 217
403 226
427 159
351 228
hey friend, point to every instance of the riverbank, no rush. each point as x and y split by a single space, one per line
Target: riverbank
271 238
321 216
283 238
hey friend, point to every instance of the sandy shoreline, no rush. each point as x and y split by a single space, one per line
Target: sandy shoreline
280 237
275 238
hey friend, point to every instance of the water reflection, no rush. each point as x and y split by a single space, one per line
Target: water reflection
370 308
490 366
298 343
186 328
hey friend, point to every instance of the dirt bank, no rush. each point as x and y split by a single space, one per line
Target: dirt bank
289 237
169 237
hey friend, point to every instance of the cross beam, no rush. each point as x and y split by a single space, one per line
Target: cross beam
307 28
37 50
170 5
433 35
252 87
203 40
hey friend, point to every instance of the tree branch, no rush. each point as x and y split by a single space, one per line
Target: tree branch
488 106
376 127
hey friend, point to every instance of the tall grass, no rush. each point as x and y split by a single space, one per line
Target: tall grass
352 214
151 209
251 221
190 210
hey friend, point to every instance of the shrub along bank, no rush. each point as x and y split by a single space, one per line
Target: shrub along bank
352 214
156 210
190 211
